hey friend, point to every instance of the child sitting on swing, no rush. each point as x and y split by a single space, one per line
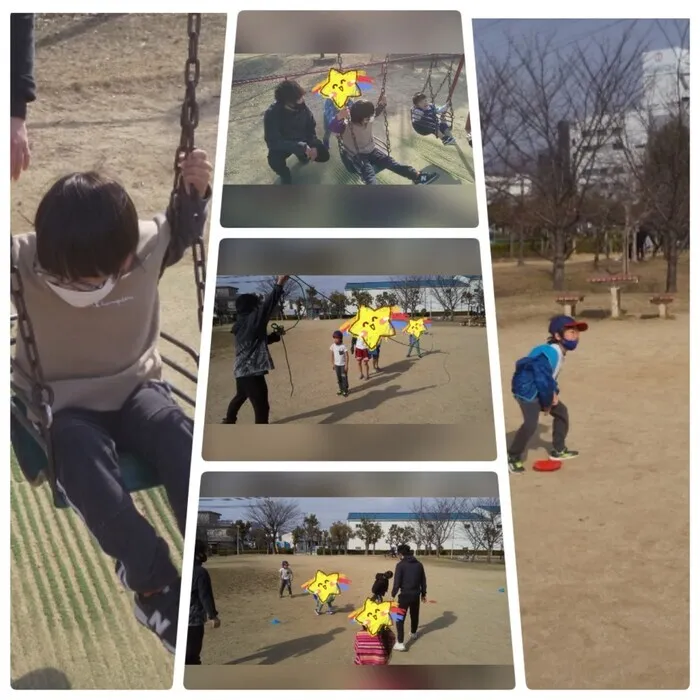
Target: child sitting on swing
90 274
429 120
354 125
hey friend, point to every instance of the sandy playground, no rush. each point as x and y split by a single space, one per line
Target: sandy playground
109 95
602 544
468 623
429 390
246 152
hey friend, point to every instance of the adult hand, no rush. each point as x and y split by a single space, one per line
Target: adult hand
282 279
215 623
196 171
19 147
424 599
312 153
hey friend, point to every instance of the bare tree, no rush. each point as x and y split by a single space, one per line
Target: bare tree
532 100
369 532
448 292
408 292
266 285
485 532
436 519
275 516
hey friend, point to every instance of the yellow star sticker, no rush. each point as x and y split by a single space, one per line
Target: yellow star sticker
340 87
415 327
372 324
323 586
374 616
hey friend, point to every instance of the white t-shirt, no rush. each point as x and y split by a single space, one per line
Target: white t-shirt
286 574
340 352
360 344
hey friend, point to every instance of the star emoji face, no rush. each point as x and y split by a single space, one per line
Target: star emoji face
340 87
372 324
374 616
415 327
324 586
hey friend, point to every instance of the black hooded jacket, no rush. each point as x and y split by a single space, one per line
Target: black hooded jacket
289 130
380 585
22 85
250 333
202 606
409 578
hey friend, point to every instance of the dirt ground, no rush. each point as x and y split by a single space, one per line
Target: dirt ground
246 152
109 95
429 390
467 624
602 544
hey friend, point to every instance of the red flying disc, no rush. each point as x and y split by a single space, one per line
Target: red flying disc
432 601
547 465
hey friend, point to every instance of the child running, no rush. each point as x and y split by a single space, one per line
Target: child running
340 359
381 586
413 343
362 357
90 274
535 387
329 603
354 124
374 356
428 120
286 578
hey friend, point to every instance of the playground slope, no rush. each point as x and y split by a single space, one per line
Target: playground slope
109 94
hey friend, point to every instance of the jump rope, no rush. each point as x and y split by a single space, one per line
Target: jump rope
282 331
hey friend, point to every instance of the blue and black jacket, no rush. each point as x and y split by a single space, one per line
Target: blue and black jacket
534 378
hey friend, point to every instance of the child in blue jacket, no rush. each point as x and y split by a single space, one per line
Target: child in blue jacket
536 390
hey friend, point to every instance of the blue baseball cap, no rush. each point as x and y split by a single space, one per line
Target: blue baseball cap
561 323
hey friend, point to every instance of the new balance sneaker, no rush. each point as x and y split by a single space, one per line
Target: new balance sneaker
426 178
515 465
563 454
158 612
449 140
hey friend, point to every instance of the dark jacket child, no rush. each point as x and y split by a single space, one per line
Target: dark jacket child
202 606
93 268
290 129
253 360
381 586
535 387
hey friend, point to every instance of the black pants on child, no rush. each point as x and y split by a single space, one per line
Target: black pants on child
342 377
285 584
366 161
153 428
253 389
195 641
409 602
277 160
422 131
531 417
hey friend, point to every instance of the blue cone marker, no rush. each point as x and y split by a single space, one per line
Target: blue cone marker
275 622
501 590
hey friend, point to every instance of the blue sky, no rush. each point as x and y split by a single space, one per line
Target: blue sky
492 34
327 510
323 283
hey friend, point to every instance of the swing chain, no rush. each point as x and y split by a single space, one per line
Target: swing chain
385 70
189 120
340 62
42 394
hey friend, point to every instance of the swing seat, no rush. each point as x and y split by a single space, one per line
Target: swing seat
31 456
352 167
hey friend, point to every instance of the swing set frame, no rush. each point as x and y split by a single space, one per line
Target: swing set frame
31 416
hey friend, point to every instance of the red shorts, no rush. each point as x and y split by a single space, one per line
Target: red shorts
361 354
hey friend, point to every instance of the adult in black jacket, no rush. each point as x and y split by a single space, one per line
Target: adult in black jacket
253 360
411 586
22 89
290 129
202 607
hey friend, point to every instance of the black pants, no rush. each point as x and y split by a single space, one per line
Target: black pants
153 428
253 389
285 584
531 417
342 376
195 640
277 160
411 604
423 131
366 161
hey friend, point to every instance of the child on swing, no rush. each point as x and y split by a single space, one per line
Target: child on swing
429 120
354 124
90 273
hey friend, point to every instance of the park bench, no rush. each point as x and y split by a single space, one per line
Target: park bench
568 302
662 301
615 282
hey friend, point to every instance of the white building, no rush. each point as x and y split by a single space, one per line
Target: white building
666 79
458 535
515 186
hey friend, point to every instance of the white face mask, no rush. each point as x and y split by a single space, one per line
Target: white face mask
83 299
